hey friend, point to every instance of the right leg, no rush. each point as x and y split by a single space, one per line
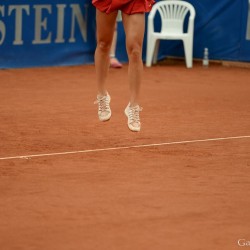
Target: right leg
105 29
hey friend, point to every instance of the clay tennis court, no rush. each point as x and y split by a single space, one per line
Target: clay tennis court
70 182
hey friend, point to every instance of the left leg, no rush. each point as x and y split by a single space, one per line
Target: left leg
134 26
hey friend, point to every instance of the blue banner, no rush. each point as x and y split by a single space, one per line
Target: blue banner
45 32
62 32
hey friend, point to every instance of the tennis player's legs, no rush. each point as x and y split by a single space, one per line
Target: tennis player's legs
105 25
134 26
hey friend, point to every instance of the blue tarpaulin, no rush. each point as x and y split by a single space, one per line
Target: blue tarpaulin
61 32
45 32
221 26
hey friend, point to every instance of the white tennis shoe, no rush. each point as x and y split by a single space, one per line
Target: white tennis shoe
104 111
133 115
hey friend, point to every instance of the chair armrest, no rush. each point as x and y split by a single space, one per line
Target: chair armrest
151 19
153 12
191 25
150 23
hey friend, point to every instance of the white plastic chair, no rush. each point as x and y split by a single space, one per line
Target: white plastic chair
172 13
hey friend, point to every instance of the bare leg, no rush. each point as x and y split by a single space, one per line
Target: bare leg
105 29
114 62
114 41
134 26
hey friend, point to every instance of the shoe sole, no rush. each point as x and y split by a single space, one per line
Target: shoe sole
105 119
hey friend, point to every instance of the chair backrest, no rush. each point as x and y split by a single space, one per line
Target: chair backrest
173 13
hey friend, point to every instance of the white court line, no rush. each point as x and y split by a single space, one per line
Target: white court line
124 147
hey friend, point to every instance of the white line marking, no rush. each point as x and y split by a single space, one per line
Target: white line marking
124 147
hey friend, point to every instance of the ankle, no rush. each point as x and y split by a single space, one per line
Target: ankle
102 93
133 104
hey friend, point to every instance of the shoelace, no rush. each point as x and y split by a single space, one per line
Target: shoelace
133 114
103 103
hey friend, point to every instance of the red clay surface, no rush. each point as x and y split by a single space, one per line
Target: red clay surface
185 196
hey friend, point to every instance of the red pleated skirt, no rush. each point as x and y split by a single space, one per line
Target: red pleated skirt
127 6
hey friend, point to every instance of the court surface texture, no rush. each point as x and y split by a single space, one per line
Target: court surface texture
70 182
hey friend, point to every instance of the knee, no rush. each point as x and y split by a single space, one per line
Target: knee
104 46
135 53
